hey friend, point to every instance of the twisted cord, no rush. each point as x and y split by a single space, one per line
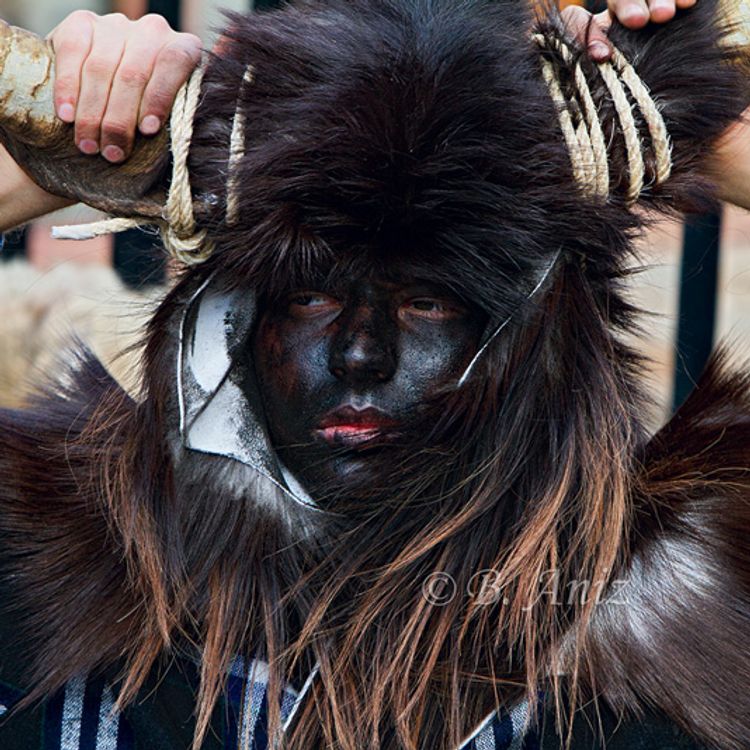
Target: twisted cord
180 235
594 166
566 125
237 151
178 227
586 145
633 145
656 126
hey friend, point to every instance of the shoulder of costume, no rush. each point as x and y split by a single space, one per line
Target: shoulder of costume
59 563
672 631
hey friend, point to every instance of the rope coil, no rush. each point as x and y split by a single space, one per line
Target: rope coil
586 145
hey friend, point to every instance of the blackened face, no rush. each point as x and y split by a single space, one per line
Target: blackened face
342 369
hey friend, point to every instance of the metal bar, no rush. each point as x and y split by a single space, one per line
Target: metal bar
697 306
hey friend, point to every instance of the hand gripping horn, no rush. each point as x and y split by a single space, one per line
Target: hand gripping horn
43 144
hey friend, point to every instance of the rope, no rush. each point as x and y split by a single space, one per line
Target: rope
178 227
655 122
237 151
633 146
590 164
586 145
180 236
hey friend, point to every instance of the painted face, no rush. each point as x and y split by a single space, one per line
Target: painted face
343 368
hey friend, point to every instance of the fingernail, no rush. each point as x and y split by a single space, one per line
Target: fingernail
599 51
633 13
113 153
88 146
150 124
661 5
66 112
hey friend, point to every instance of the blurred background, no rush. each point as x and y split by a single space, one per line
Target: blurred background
695 286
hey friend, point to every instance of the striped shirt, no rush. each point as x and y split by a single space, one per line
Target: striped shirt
82 716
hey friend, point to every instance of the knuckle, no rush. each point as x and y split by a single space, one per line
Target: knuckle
65 82
116 130
154 22
88 124
177 54
158 101
192 42
115 18
97 66
80 16
133 76
67 45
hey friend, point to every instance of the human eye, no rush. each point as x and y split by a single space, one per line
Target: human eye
434 308
310 304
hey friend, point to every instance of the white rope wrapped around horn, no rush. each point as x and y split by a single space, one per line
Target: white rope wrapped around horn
178 227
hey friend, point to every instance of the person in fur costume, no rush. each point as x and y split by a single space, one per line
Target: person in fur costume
386 483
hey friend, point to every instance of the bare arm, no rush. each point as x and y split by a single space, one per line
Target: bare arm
21 200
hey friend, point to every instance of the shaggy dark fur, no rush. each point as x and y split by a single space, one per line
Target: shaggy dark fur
419 129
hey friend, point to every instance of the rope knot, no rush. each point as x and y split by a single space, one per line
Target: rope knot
178 227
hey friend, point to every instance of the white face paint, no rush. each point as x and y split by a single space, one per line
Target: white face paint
221 412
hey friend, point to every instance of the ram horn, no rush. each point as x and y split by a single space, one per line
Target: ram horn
43 144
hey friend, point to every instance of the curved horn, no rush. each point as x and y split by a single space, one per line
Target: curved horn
43 144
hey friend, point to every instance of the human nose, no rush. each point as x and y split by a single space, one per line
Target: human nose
365 349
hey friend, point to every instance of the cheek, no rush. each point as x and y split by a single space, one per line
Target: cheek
274 360
287 361
437 358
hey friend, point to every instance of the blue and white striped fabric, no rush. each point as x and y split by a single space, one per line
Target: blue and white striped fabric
82 716
247 695
504 731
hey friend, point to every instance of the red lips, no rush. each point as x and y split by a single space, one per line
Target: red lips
351 427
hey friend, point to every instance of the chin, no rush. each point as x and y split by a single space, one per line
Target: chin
343 478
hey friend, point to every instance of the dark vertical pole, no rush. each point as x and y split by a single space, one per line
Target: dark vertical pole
14 245
170 9
138 258
697 306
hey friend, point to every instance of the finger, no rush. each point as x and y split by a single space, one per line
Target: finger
128 85
661 10
633 14
685 3
174 64
591 31
96 82
576 21
71 41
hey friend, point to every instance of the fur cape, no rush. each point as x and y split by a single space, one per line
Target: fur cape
420 129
